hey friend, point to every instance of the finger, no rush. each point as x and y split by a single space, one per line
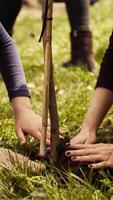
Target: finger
48 142
79 140
73 144
20 136
48 149
88 158
49 135
81 152
98 165
77 146
61 132
89 141
37 136
83 146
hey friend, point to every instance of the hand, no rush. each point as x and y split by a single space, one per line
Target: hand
100 103
99 155
26 121
83 137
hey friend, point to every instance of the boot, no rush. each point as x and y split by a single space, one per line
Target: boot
81 49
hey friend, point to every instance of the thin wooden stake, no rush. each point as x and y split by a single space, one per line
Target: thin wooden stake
47 66
49 98
54 119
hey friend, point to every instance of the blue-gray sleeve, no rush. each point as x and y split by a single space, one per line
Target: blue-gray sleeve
11 67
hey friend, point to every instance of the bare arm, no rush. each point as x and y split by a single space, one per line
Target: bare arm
101 101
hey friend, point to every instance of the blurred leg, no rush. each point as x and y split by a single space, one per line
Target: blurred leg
80 36
9 10
78 14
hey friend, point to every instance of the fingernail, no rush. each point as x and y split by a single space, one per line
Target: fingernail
23 143
90 166
68 154
73 158
68 144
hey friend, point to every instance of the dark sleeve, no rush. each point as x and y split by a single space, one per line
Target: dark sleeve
105 78
11 67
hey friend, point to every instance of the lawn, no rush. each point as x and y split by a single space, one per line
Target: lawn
74 87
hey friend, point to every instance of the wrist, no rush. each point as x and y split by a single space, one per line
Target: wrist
87 127
21 103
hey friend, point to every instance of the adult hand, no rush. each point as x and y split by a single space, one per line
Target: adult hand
83 137
26 121
100 103
98 155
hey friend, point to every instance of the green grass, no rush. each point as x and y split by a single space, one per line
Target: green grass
74 88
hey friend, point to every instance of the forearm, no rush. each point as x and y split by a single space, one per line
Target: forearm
103 94
100 103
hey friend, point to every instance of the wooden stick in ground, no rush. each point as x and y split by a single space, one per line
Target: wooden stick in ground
49 99
47 66
53 118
